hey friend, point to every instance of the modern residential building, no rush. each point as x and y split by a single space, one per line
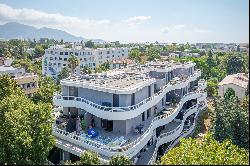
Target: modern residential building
238 82
56 57
130 111
27 81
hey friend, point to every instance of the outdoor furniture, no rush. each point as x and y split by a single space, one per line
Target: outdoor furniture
136 130
140 128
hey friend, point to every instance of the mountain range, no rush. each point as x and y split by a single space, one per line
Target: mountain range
14 30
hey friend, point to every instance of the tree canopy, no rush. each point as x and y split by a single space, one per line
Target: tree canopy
206 151
25 127
120 160
73 63
89 44
87 158
231 121
46 91
64 73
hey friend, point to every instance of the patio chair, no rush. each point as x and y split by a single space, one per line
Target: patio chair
136 131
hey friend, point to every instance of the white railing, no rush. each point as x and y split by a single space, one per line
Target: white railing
129 108
183 134
128 149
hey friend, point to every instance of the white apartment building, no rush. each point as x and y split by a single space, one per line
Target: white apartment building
56 57
238 82
130 111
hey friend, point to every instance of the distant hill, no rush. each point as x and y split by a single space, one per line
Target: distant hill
15 30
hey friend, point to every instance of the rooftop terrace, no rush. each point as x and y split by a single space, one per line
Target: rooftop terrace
132 76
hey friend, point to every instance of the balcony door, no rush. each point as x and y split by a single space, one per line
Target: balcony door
115 100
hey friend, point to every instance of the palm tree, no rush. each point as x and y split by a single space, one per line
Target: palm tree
73 62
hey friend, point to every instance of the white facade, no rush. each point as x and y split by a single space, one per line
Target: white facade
138 94
56 57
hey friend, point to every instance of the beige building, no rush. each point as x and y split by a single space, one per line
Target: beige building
238 82
27 81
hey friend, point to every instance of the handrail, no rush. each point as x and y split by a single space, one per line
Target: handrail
122 109
125 147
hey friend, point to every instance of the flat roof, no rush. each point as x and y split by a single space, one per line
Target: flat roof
8 68
125 78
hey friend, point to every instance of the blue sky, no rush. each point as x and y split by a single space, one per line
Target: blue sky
136 20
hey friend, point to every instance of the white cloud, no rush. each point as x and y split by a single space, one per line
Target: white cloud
127 30
165 30
136 20
179 26
201 30
56 20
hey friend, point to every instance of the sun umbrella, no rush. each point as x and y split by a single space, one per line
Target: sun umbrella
78 124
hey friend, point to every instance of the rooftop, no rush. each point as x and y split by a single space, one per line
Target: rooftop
132 76
8 68
240 79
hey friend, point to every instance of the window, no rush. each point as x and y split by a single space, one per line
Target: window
82 53
122 50
93 64
65 59
80 59
113 55
66 53
55 58
85 59
60 58
64 64
76 53
51 58
107 52
122 54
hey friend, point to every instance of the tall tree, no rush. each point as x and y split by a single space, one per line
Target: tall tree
231 120
89 44
46 91
25 131
235 64
134 53
64 73
153 53
87 158
8 87
25 127
73 63
206 151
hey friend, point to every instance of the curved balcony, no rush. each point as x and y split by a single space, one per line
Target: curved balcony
164 137
121 113
134 147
